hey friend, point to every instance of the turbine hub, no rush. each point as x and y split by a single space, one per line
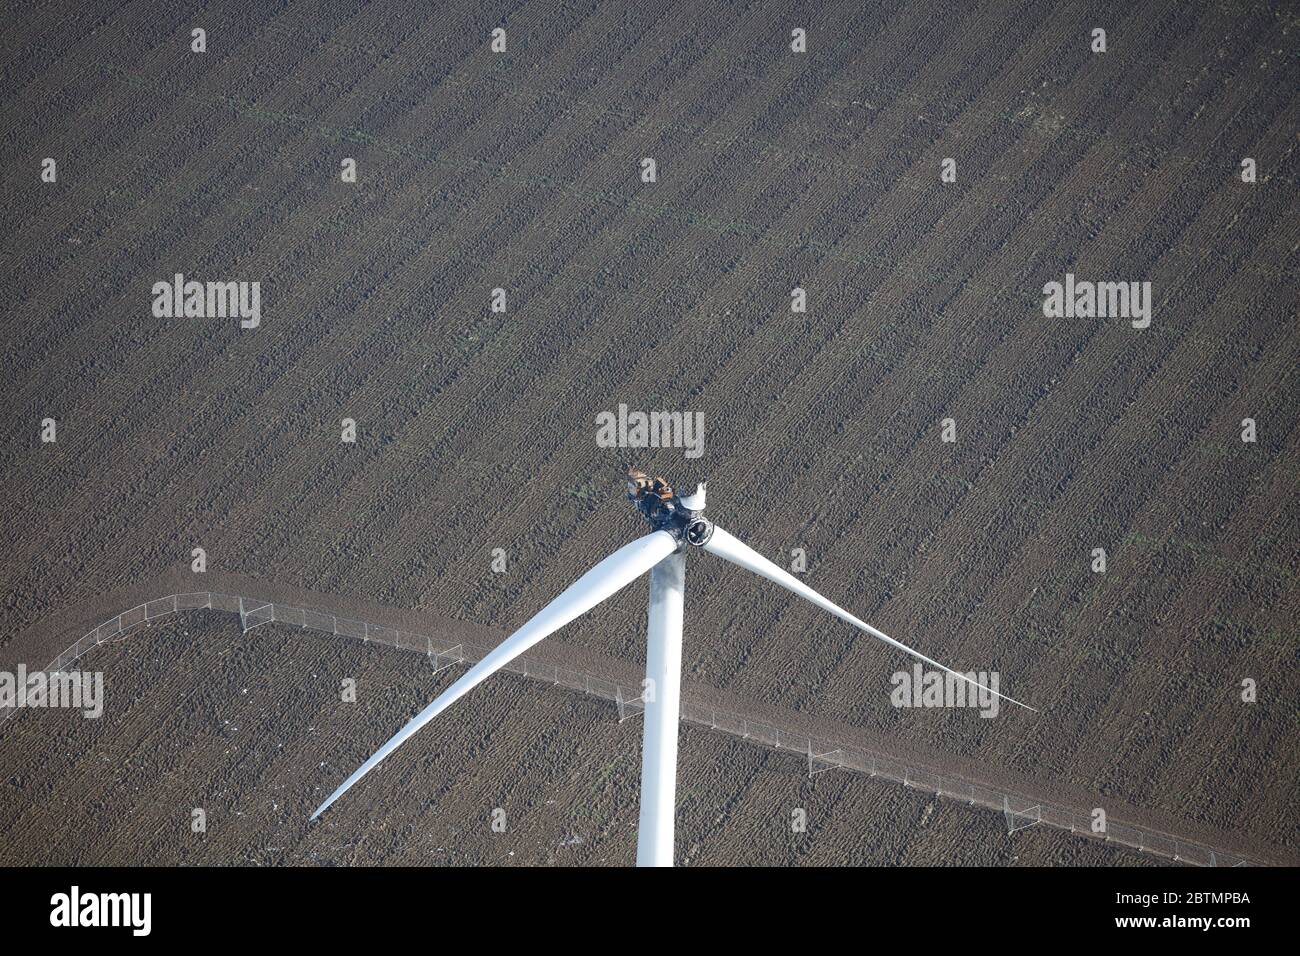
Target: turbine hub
665 510
699 531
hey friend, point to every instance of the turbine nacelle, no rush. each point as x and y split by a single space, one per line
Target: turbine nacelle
695 502
665 510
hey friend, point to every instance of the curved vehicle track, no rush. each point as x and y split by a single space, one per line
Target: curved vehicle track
554 662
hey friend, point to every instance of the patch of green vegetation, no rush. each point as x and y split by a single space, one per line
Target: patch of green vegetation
587 492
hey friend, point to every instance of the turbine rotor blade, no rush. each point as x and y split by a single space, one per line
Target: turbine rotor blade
737 552
609 576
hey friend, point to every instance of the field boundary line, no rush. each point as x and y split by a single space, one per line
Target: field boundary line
820 754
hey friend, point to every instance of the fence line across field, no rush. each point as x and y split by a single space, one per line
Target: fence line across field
821 755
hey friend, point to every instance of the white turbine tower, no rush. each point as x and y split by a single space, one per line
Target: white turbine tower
678 523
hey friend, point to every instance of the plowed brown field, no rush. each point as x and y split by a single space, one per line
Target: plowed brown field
476 430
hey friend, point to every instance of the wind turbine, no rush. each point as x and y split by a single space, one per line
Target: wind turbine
677 524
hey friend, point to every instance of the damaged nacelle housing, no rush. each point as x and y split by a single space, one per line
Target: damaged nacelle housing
681 516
